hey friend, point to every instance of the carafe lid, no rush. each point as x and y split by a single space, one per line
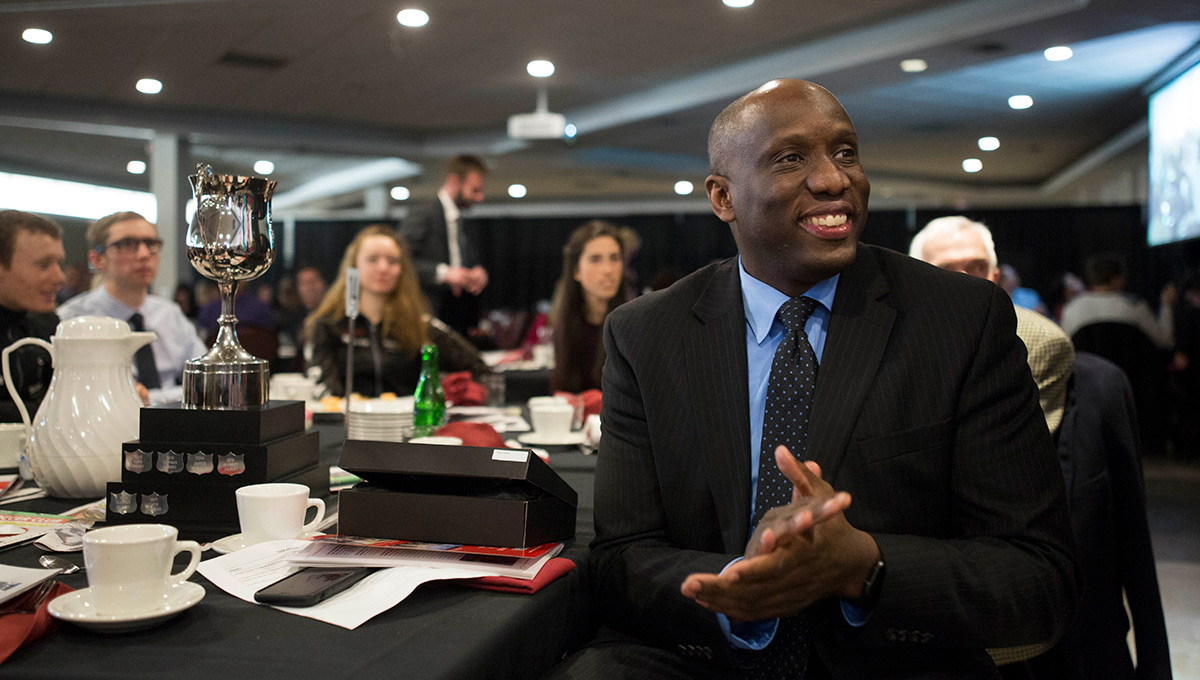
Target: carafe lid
93 328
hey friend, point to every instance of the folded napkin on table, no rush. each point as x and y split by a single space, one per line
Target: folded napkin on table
19 628
591 401
473 434
551 571
460 389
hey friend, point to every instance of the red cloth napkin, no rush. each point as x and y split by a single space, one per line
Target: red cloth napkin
591 401
17 628
460 389
551 571
473 434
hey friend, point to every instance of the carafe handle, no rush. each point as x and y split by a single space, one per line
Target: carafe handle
16 397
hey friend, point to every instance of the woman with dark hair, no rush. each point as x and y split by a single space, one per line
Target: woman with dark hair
592 285
392 324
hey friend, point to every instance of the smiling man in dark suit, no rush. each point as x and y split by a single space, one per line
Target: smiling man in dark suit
909 394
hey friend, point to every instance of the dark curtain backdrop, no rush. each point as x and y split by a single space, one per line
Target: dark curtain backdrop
524 255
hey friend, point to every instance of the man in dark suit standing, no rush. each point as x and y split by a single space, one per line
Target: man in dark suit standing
910 396
446 260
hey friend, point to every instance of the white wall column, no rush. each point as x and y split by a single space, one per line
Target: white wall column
168 182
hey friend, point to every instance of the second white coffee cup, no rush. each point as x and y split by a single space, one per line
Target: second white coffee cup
270 512
129 567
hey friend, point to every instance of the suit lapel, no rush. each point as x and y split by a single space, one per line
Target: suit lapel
859 327
716 352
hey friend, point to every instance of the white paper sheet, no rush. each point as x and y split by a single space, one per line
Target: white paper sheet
246 571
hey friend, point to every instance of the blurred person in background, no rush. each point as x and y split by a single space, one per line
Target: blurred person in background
185 297
123 248
79 279
392 325
1028 298
1105 300
445 256
310 286
632 243
31 255
592 285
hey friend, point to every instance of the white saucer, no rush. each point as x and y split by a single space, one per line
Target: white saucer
544 439
235 542
76 607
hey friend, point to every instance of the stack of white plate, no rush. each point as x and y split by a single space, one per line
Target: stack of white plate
380 420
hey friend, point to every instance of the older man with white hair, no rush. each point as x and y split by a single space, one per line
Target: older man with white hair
962 245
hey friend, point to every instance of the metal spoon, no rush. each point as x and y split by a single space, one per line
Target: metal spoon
63 566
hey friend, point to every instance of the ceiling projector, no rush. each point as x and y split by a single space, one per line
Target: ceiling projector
537 125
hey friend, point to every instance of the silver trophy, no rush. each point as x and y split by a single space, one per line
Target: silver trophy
230 242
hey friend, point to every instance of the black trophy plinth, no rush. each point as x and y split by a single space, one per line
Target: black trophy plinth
187 463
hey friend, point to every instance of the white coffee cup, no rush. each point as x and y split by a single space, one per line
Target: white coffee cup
12 442
295 386
270 512
535 401
551 419
129 567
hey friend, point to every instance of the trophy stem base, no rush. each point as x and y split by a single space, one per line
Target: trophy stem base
235 386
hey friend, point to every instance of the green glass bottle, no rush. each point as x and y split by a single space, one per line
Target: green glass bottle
430 402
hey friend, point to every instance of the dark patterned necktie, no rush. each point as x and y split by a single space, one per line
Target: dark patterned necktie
143 360
785 421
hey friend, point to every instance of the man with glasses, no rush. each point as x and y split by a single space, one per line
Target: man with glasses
123 249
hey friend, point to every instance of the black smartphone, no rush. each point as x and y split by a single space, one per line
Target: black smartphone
311 585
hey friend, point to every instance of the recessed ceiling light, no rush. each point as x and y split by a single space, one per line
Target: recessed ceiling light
37 36
683 187
913 65
570 130
517 190
135 167
989 143
1058 53
264 167
1020 101
738 3
972 165
413 18
401 193
149 86
540 68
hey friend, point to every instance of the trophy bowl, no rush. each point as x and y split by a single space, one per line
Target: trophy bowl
229 241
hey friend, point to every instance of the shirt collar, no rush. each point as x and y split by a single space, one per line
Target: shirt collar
762 302
112 306
448 208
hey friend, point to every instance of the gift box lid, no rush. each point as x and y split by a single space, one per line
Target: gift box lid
455 470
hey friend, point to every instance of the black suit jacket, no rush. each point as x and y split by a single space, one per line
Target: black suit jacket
924 411
425 230
1097 445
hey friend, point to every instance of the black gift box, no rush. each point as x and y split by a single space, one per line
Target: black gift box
190 502
172 422
469 495
227 464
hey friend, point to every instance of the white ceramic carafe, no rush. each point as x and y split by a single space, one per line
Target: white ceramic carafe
91 408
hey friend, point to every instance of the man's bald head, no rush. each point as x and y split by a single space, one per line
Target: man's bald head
745 110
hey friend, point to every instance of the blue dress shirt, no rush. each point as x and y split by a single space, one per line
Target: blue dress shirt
763 335
177 339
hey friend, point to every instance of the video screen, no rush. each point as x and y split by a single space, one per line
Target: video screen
1174 203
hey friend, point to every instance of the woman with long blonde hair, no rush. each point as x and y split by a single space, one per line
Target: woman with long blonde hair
393 322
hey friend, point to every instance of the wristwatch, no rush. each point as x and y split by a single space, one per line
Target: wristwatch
872 586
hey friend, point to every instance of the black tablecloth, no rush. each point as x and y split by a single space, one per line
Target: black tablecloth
440 631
